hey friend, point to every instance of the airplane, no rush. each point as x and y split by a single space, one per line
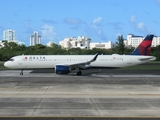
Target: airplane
64 64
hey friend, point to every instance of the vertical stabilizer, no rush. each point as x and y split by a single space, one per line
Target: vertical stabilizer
144 47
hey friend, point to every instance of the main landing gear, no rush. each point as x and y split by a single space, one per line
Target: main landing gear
79 73
21 73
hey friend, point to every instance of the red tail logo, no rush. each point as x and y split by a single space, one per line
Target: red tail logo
145 47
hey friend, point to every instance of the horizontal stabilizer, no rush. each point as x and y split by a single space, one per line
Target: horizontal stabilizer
150 58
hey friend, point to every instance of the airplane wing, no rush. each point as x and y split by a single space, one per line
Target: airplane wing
79 64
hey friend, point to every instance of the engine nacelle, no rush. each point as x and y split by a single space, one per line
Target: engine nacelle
61 69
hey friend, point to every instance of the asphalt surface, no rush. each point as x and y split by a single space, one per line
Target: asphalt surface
93 96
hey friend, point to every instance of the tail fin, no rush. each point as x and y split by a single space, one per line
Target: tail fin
144 47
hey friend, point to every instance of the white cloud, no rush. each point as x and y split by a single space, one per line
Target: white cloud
48 32
96 28
97 20
133 18
141 26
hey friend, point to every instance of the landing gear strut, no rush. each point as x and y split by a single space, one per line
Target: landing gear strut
21 73
79 73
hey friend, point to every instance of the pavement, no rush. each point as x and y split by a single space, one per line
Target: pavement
95 95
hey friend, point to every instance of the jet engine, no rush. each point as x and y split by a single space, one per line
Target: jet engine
61 69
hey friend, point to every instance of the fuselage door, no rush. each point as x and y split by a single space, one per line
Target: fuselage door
21 62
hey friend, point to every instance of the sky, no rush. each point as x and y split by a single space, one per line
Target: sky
100 20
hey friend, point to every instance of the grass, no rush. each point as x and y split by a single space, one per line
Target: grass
147 66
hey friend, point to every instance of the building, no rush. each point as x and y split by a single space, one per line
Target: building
84 42
15 41
134 41
104 45
156 41
35 39
9 35
79 42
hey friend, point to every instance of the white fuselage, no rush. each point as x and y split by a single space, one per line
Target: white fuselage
50 61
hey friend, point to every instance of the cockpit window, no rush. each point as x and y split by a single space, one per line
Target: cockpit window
12 59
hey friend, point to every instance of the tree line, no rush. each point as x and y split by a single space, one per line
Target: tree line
11 49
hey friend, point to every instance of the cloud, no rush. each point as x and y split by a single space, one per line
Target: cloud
141 26
72 21
49 21
138 26
96 28
97 20
132 18
48 32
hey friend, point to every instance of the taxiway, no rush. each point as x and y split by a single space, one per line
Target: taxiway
92 95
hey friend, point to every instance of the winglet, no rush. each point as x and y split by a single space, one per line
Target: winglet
95 57
144 47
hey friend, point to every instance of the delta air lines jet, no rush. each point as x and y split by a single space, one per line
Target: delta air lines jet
64 64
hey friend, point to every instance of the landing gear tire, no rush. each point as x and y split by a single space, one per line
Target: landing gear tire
21 73
79 73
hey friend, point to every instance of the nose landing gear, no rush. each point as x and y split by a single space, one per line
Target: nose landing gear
21 73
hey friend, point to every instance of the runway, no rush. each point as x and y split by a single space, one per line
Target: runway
92 96
86 73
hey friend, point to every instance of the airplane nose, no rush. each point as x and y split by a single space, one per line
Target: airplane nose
6 64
